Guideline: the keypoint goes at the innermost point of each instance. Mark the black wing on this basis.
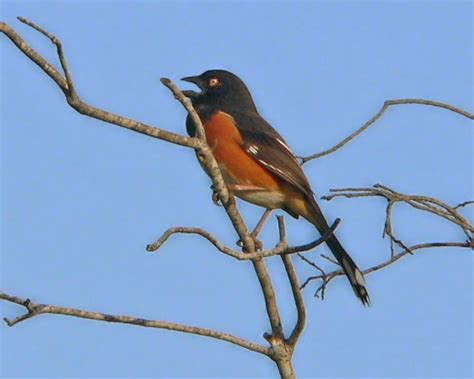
(266, 146)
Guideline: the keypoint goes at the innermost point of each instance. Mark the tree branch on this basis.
(34, 310)
(464, 204)
(424, 203)
(281, 248)
(67, 87)
(295, 289)
(327, 277)
(387, 104)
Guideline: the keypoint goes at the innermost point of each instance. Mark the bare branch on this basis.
(260, 223)
(190, 230)
(37, 309)
(70, 85)
(312, 245)
(299, 303)
(424, 203)
(466, 203)
(327, 277)
(74, 101)
(281, 248)
(387, 104)
(329, 259)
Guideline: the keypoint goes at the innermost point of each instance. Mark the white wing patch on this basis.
(253, 149)
(359, 277)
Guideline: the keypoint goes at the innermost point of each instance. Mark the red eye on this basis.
(214, 82)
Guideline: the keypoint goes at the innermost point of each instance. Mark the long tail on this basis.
(354, 275)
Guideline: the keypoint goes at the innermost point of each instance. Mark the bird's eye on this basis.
(214, 82)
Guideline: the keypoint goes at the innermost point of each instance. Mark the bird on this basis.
(256, 163)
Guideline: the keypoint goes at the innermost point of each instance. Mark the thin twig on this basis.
(261, 223)
(281, 248)
(329, 259)
(298, 298)
(319, 241)
(386, 105)
(424, 203)
(62, 59)
(470, 202)
(331, 275)
(311, 263)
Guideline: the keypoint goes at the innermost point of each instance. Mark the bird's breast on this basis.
(238, 167)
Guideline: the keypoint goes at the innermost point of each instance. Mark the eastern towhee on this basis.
(256, 162)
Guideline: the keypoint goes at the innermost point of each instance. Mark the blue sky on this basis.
(81, 199)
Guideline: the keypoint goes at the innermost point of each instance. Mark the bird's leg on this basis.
(232, 188)
(260, 223)
(256, 230)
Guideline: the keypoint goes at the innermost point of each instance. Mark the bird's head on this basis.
(220, 88)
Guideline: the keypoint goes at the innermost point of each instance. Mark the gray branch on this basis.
(33, 310)
(387, 104)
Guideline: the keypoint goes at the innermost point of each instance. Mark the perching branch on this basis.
(34, 310)
(387, 104)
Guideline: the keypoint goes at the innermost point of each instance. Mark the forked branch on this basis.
(65, 83)
(424, 203)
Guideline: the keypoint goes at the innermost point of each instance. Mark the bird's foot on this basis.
(215, 197)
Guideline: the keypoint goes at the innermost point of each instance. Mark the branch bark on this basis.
(34, 310)
(67, 87)
(281, 248)
(387, 104)
(327, 277)
(424, 203)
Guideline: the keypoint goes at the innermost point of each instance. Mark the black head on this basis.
(220, 88)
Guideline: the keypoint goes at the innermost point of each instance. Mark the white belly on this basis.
(266, 199)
